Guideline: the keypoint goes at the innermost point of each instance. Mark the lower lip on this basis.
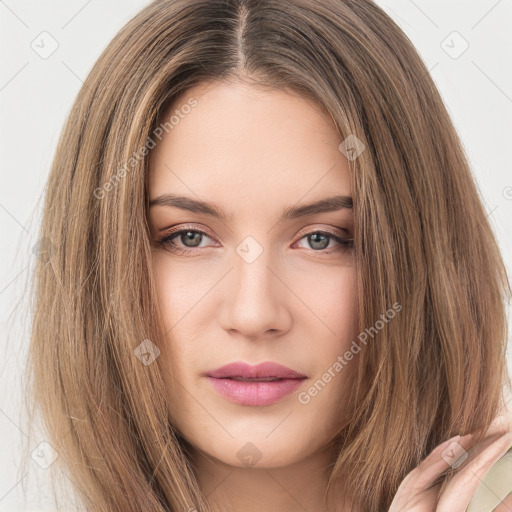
(255, 393)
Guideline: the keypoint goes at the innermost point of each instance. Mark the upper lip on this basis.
(266, 369)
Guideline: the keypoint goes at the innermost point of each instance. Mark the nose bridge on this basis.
(252, 274)
(256, 302)
(253, 277)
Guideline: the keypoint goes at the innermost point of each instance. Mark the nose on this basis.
(256, 304)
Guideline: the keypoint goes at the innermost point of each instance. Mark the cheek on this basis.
(174, 297)
(343, 313)
(341, 307)
(177, 288)
(335, 300)
(184, 292)
(332, 298)
(183, 296)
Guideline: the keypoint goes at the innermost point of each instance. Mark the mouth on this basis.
(254, 392)
(259, 385)
(266, 370)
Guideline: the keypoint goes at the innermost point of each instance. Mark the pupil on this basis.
(189, 237)
(314, 242)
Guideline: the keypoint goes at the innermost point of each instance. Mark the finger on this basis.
(417, 486)
(409, 501)
(433, 465)
(462, 486)
(501, 423)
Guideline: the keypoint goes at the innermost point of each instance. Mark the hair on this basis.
(422, 239)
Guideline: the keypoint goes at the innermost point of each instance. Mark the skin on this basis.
(253, 153)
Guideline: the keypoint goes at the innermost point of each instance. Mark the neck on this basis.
(298, 486)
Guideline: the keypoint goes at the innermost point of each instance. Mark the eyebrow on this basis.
(329, 204)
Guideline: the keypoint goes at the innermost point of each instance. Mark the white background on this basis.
(36, 95)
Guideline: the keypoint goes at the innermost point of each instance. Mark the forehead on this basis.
(238, 143)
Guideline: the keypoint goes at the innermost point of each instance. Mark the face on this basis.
(252, 284)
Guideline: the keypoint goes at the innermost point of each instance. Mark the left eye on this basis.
(318, 241)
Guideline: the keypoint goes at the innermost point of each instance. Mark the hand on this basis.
(416, 493)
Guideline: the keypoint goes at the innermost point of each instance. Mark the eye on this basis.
(319, 241)
(186, 241)
(190, 238)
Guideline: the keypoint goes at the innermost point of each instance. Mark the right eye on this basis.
(184, 236)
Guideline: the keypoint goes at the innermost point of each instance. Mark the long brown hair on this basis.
(422, 239)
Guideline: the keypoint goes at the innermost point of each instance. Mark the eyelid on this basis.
(332, 231)
(183, 227)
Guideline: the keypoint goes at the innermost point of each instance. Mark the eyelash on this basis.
(167, 241)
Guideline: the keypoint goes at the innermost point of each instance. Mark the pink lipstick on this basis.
(258, 385)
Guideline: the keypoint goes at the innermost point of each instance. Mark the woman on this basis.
(272, 283)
